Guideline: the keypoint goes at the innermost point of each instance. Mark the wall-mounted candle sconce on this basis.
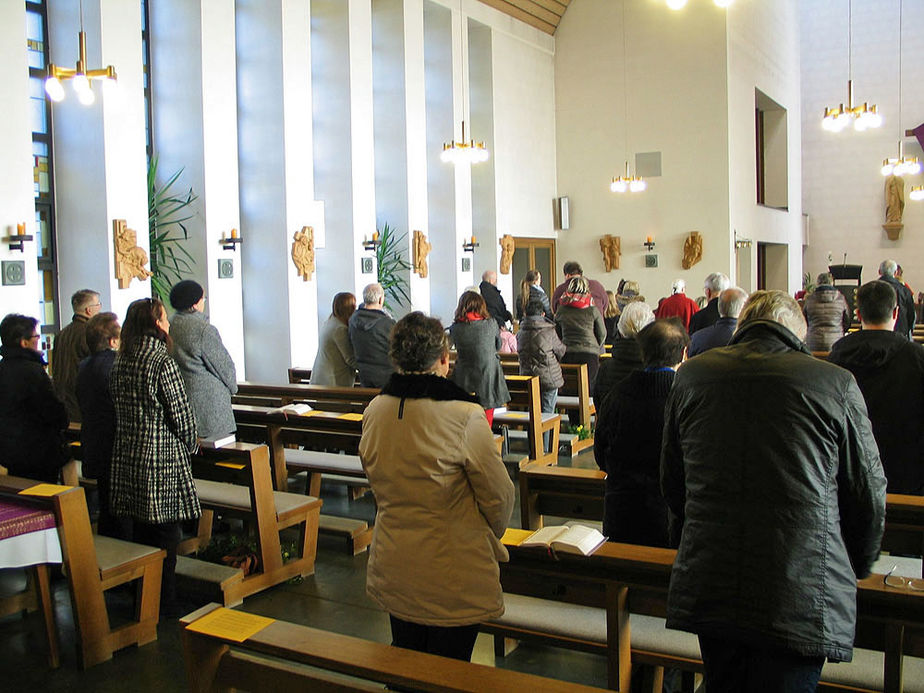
(649, 243)
(373, 245)
(469, 246)
(16, 241)
(741, 242)
(231, 242)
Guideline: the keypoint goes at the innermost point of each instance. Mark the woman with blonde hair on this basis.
(531, 290)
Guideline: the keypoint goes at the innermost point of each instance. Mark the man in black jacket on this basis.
(771, 470)
(370, 330)
(905, 321)
(493, 298)
(714, 285)
(890, 372)
(32, 418)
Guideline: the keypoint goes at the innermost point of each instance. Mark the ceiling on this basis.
(542, 14)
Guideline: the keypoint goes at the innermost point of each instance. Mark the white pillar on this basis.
(276, 184)
(17, 201)
(100, 168)
(195, 129)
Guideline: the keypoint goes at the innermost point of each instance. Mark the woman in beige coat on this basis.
(444, 499)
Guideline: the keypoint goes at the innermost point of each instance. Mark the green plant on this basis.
(807, 284)
(168, 212)
(581, 431)
(393, 265)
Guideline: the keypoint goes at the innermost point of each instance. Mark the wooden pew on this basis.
(216, 664)
(344, 399)
(525, 411)
(93, 565)
(236, 480)
(622, 577)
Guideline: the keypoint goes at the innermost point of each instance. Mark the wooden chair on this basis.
(525, 411)
(93, 565)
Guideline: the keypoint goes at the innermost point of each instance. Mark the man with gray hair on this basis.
(719, 334)
(677, 305)
(905, 323)
(714, 285)
(370, 329)
(772, 475)
(625, 355)
(493, 298)
(71, 348)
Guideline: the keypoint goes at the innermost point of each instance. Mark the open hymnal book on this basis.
(298, 408)
(214, 442)
(570, 538)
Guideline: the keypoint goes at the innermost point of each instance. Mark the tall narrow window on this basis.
(772, 152)
(146, 69)
(43, 170)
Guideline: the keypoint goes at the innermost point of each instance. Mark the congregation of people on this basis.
(721, 434)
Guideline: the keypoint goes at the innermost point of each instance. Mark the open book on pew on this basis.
(297, 408)
(568, 538)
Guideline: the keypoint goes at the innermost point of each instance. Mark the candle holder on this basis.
(231, 243)
(469, 246)
(18, 240)
(649, 244)
(372, 246)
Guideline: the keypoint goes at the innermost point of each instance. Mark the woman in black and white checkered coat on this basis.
(155, 434)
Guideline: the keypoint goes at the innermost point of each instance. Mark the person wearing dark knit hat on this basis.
(207, 368)
(185, 295)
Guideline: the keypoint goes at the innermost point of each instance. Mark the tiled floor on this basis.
(334, 598)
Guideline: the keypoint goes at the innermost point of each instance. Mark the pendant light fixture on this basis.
(80, 76)
(463, 151)
(917, 193)
(627, 183)
(900, 165)
(865, 115)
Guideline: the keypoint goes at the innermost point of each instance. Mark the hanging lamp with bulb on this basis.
(900, 165)
(462, 151)
(628, 182)
(917, 193)
(863, 116)
(80, 77)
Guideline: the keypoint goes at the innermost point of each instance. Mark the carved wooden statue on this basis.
(508, 245)
(421, 250)
(303, 252)
(692, 249)
(611, 247)
(895, 206)
(130, 260)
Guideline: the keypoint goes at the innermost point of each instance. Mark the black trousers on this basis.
(734, 667)
(108, 525)
(164, 536)
(456, 642)
(592, 361)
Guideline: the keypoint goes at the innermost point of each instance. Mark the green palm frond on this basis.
(168, 212)
(391, 256)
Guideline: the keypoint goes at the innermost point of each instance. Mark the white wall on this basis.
(677, 105)
(843, 188)
(763, 53)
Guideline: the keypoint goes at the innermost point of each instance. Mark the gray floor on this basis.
(334, 599)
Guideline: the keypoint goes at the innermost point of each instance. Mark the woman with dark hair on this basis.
(98, 415)
(580, 327)
(477, 340)
(335, 364)
(531, 290)
(443, 496)
(206, 366)
(152, 482)
(540, 351)
(32, 418)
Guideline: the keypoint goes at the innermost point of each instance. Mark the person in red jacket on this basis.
(677, 305)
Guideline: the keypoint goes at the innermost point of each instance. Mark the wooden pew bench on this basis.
(236, 480)
(287, 656)
(525, 412)
(343, 399)
(570, 492)
(596, 618)
(94, 564)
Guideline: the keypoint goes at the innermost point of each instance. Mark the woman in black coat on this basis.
(531, 290)
(32, 418)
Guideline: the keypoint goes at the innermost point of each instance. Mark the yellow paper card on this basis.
(313, 412)
(44, 490)
(519, 377)
(515, 537)
(350, 416)
(230, 465)
(229, 624)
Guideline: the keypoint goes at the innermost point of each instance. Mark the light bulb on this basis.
(886, 168)
(676, 4)
(86, 96)
(81, 83)
(618, 185)
(54, 89)
(637, 185)
(917, 193)
(723, 3)
(914, 167)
